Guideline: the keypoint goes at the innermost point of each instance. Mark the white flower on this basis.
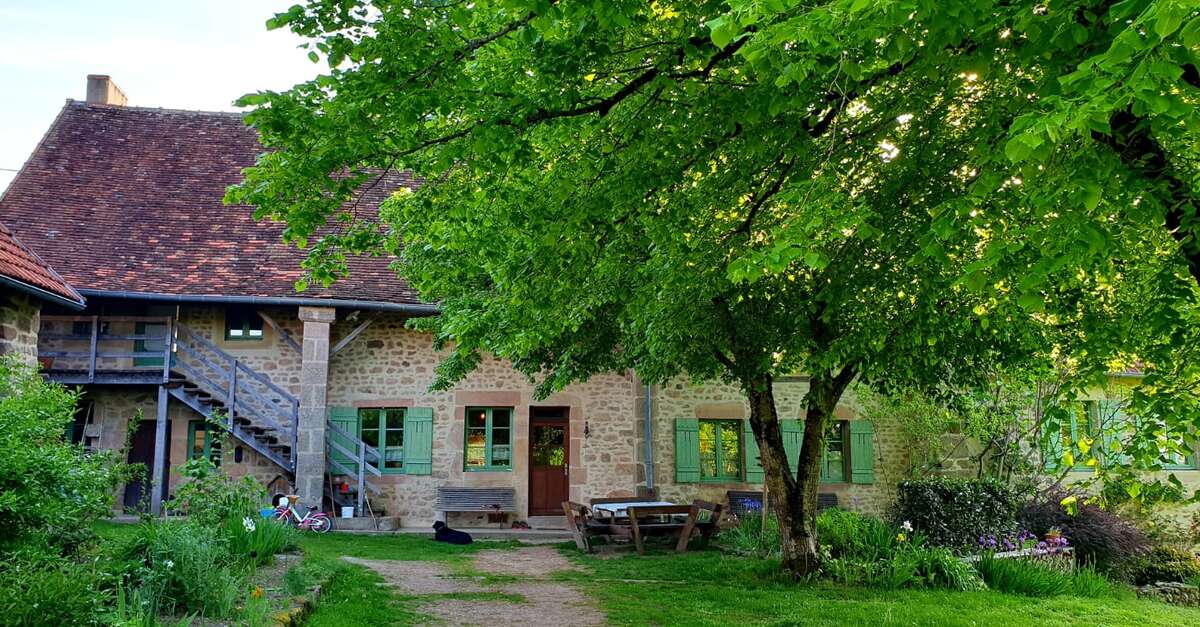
(169, 564)
(248, 524)
(907, 526)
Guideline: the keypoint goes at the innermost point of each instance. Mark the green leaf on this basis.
(1032, 302)
(1170, 16)
(313, 56)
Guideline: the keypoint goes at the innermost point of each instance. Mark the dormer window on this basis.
(243, 324)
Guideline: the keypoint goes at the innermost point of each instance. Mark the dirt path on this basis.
(534, 599)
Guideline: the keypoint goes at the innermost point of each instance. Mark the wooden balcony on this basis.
(111, 350)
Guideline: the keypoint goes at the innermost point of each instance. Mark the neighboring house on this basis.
(192, 312)
(26, 284)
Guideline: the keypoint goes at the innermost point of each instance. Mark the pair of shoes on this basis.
(520, 525)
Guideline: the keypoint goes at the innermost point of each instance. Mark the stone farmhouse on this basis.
(191, 314)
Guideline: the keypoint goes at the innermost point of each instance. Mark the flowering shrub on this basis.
(257, 541)
(182, 567)
(954, 512)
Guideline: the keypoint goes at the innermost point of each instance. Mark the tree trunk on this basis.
(794, 490)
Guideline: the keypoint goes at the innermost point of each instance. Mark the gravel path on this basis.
(545, 602)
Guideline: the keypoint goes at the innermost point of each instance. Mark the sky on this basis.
(177, 54)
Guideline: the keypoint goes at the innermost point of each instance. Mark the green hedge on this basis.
(956, 512)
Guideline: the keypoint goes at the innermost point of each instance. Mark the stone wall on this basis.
(19, 322)
(390, 366)
(716, 400)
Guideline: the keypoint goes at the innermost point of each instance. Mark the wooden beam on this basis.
(158, 476)
(283, 334)
(344, 342)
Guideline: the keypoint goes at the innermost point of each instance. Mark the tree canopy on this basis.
(896, 192)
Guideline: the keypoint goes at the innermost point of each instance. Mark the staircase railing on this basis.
(245, 392)
(364, 459)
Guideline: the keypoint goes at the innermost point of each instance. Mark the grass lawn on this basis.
(698, 588)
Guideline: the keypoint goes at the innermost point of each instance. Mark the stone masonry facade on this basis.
(389, 365)
(19, 322)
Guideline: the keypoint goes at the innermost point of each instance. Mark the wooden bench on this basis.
(702, 517)
(488, 500)
(739, 500)
(583, 525)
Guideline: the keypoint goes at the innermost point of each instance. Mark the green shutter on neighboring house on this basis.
(418, 441)
(793, 438)
(346, 419)
(862, 453)
(687, 450)
(754, 470)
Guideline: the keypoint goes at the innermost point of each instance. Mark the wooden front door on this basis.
(141, 451)
(549, 450)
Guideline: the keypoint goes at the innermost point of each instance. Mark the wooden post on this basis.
(295, 430)
(168, 348)
(158, 474)
(231, 395)
(362, 473)
(92, 350)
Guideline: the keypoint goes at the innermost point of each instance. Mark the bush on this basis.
(749, 537)
(53, 592)
(938, 567)
(183, 567)
(954, 513)
(210, 498)
(1166, 563)
(855, 536)
(50, 491)
(1022, 576)
(1100, 537)
(257, 539)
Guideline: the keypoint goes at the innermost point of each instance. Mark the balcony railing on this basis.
(106, 349)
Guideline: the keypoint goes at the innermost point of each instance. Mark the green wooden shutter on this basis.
(754, 470)
(862, 453)
(687, 450)
(345, 418)
(793, 439)
(418, 441)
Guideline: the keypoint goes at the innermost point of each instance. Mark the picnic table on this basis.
(639, 518)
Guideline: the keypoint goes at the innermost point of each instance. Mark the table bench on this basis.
(640, 520)
(487, 500)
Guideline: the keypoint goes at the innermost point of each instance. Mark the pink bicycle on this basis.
(312, 520)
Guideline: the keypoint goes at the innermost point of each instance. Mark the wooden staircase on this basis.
(218, 386)
(262, 415)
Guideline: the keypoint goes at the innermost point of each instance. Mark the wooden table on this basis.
(640, 519)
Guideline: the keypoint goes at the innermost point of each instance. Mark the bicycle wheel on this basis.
(324, 524)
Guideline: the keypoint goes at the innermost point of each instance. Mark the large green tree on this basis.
(896, 192)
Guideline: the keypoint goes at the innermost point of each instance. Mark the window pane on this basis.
(476, 418)
(256, 332)
(500, 447)
(371, 437)
(731, 449)
(395, 419)
(198, 443)
(708, 449)
(235, 333)
(476, 448)
(500, 418)
(394, 437)
(393, 457)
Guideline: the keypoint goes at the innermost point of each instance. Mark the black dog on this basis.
(443, 533)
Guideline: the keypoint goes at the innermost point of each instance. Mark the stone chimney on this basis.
(101, 90)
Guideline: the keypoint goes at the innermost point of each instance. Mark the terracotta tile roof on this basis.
(19, 263)
(129, 199)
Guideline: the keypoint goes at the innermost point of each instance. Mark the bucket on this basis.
(347, 512)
